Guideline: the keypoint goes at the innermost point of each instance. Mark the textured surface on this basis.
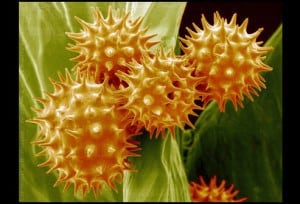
(244, 147)
(83, 134)
(107, 44)
(229, 58)
(42, 53)
(158, 87)
(212, 192)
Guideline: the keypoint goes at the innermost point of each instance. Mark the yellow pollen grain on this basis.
(110, 51)
(106, 110)
(203, 193)
(113, 37)
(111, 149)
(229, 72)
(157, 110)
(169, 62)
(99, 169)
(148, 100)
(109, 65)
(213, 71)
(99, 42)
(96, 128)
(90, 112)
(224, 196)
(159, 89)
(121, 61)
(89, 150)
(85, 34)
(214, 192)
(128, 51)
(203, 53)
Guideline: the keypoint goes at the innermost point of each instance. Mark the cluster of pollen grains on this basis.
(229, 58)
(201, 192)
(161, 92)
(84, 135)
(106, 45)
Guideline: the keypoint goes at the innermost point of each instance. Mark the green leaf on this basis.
(164, 18)
(161, 176)
(243, 147)
(42, 53)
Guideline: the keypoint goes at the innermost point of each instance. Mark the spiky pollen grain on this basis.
(229, 57)
(202, 192)
(106, 45)
(84, 136)
(161, 92)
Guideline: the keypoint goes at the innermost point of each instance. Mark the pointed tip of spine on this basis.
(42, 153)
(36, 110)
(233, 20)
(68, 79)
(196, 27)
(217, 17)
(46, 163)
(136, 24)
(110, 18)
(66, 186)
(35, 121)
(244, 25)
(183, 40)
(41, 100)
(192, 33)
(53, 82)
(95, 191)
(60, 76)
(84, 24)
(96, 14)
(205, 23)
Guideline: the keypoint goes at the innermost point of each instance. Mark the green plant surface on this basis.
(42, 53)
(161, 175)
(243, 147)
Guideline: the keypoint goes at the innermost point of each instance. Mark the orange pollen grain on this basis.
(158, 87)
(228, 57)
(105, 46)
(83, 135)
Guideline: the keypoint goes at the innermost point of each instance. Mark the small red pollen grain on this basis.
(202, 192)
